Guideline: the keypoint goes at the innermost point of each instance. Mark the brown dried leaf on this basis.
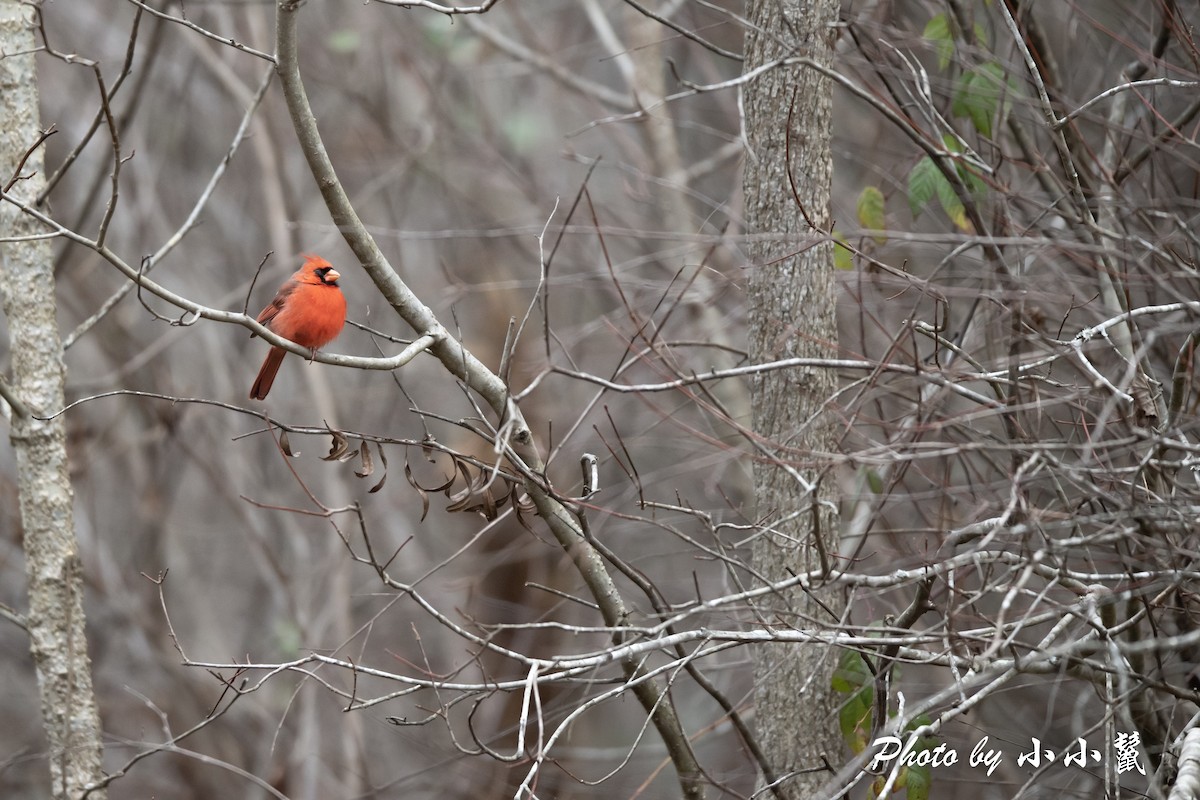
(463, 494)
(484, 504)
(338, 447)
(382, 460)
(483, 491)
(286, 446)
(368, 464)
(523, 506)
(479, 497)
(412, 481)
(441, 488)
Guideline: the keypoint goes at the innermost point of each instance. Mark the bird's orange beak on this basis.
(332, 276)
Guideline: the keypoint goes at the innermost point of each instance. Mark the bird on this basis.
(309, 309)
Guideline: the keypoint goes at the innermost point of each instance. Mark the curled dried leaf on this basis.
(412, 481)
(368, 463)
(484, 503)
(479, 494)
(382, 460)
(523, 506)
(440, 488)
(338, 447)
(482, 491)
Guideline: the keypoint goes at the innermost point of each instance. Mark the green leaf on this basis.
(979, 95)
(851, 674)
(843, 257)
(922, 185)
(444, 35)
(947, 195)
(919, 780)
(926, 182)
(871, 209)
(524, 131)
(344, 40)
(981, 35)
(854, 720)
(919, 721)
(939, 33)
(852, 677)
(974, 183)
(966, 173)
(948, 198)
(288, 639)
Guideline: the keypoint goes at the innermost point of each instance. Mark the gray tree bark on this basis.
(55, 617)
(792, 305)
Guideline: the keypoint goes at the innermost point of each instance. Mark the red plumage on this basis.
(309, 309)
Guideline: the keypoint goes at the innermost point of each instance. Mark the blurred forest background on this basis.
(998, 405)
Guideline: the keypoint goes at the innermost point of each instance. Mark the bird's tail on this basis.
(266, 375)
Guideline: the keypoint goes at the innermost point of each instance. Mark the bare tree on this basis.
(792, 315)
(54, 619)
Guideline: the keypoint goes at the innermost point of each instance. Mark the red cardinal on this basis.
(309, 309)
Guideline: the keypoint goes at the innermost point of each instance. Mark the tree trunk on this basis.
(792, 314)
(55, 618)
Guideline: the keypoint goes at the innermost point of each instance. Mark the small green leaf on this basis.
(843, 257)
(344, 40)
(524, 131)
(947, 195)
(288, 639)
(926, 182)
(918, 783)
(974, 183)
(979, 95)
(871, 209)
(874, 481)
(938, 28)
(951, 204)
(966, 173)
(922, 185)
(938, 31)
(851, 674)
(438, 30)
(443, 34)
(919, 721)
(852, 677)
(854, 720)
(981, 36)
